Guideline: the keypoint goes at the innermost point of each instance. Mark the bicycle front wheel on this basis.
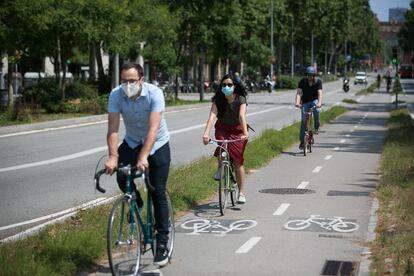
(224, 187)
(233, 186)
(123, 239)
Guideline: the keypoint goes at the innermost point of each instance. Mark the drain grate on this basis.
(347, 193)
(286, 191)
(339, 268)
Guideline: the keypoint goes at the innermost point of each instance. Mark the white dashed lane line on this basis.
(342, 141)
(248, 245)
(282, 208)
(303, 185)
(328, 157)
(336, 148)
(317, 169)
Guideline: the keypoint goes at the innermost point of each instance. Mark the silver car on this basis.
(361, 77)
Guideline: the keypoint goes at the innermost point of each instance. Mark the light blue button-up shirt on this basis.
(135, 114)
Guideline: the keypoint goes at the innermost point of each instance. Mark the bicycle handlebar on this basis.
(126, 169)
(224, 141)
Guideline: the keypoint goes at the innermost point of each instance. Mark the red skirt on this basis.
(231, 132)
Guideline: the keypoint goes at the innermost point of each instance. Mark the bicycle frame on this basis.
(145, 226)
(226, 167)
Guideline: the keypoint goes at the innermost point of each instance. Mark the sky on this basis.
(380, 7)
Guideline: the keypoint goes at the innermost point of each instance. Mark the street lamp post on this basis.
(271, 39)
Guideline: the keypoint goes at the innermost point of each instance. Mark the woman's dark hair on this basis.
(220, 100)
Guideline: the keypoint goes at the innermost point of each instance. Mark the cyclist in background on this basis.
(378, 81)
(309, 94)
(388, 78)
(146, 143)
(228, 114)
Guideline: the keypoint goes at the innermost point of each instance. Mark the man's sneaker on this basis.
(217, 175)
(241, 199)
(161, 255)
(301, 146)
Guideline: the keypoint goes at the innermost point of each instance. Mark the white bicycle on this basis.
(336, 224)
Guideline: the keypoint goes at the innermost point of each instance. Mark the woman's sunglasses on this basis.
(227, 84)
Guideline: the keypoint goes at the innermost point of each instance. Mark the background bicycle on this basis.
(131, 230)
(228, 188)
(308, 140)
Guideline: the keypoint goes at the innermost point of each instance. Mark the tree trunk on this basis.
(10, 85)
(101, 72)
(332, 54)
(92, 62)
(201, 75)
(58, 68)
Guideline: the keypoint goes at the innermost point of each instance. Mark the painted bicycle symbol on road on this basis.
(338, 224)
(200, 226)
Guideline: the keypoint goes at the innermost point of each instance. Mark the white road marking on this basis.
(360, 98)
(356, 126)
(336, 148)
(60, 216)
(51, 129)
(352, 130)
(317, 169)
(342, 141)
(348, 135)
(328, 157)
(303, 185)
(248, 245)
(104, 148)
(54, 160)
(282, 208)
(85, 205)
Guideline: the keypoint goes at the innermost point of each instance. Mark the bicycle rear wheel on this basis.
(123, 239)
(305, 144)
(224, 187)
(171, 228)
(310, 137)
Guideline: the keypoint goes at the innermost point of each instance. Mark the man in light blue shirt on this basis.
(146, 143)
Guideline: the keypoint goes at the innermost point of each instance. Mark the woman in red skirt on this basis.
(228, 112)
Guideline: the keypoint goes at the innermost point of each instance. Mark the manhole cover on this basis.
(340, 268)
(286, 191)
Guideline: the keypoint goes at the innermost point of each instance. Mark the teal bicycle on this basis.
(131, 230)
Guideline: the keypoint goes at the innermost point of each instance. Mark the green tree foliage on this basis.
(406, 34)
(181, 34)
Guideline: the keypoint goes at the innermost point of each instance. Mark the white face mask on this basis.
(132, 90)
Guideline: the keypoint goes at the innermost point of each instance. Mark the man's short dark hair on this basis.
(129, 65)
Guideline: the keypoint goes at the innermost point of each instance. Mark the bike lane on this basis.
(335, 180)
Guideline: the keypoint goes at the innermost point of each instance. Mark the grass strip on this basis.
(393, 249)
(368, 90)
(79, 244)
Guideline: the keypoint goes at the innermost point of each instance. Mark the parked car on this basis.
(406, 71)
(361, 77)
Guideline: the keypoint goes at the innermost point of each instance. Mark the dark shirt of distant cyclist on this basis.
(310, 87)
